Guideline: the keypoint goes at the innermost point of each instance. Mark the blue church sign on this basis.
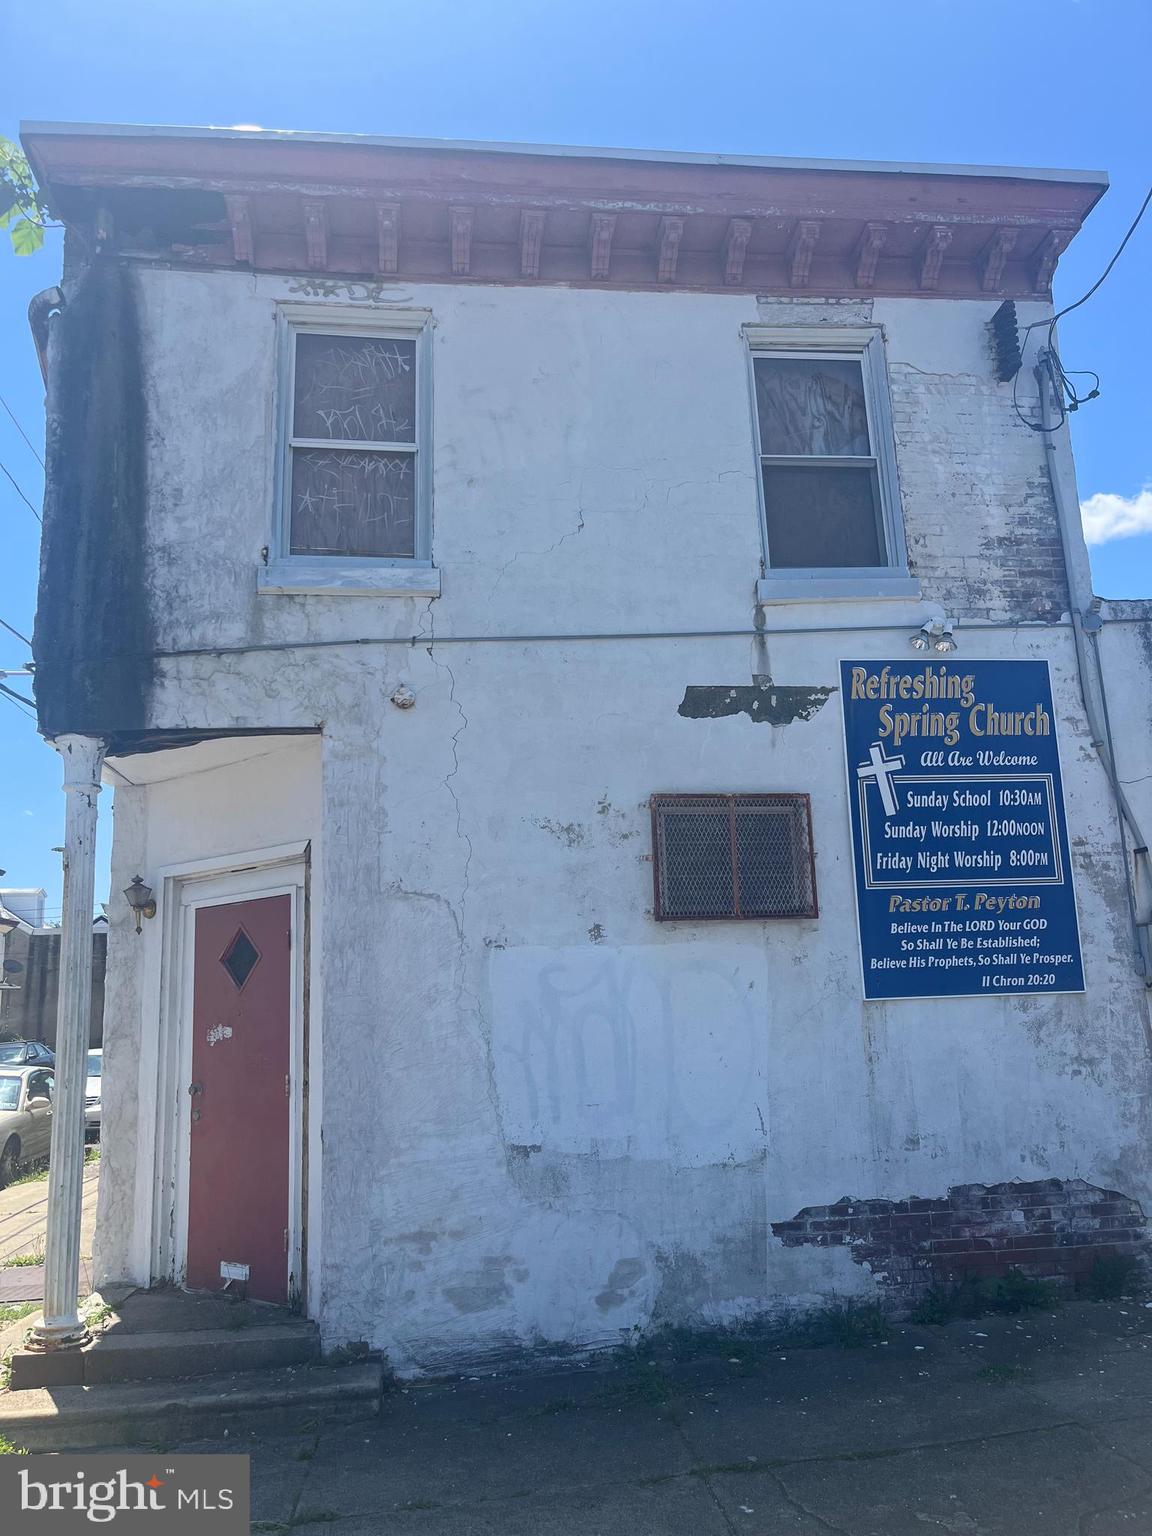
(959, 840)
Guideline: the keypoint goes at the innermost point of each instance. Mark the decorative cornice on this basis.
(993, 261)
(240, 218)
(316, 233)
(671, 233)
(531, 241)
(872, 242)
(803, 244)
(388, 238)
(1044, 265)
(602, 228)
(938, 241)
(735, 250)
(310, 204)
(460, 221)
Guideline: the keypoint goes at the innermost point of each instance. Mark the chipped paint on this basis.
(763, 703)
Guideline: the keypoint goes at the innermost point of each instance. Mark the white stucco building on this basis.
(417, 513)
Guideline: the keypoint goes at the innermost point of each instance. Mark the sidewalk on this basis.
(23, 1213)
(1033, 1426)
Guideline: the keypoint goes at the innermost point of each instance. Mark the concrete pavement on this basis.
(23, 1215)
(1027, 1426)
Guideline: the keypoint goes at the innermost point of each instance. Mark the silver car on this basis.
(25, 1118)
(92, 1095)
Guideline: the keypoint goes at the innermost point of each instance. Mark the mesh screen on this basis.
(733, 856)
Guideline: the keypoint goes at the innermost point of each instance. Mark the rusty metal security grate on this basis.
(744, 857)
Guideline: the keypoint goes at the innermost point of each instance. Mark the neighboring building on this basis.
(28, 1004)
(418, 512)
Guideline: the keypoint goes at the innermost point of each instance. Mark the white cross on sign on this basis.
(881, 769)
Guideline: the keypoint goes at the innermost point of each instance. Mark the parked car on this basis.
(25, 1118)
(26, 1053)
(92, 1095)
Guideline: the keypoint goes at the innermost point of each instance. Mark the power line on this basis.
(16, 632)
(15, 700)
(1068, 398)
(21, 431)
(22, 496)
(13, 694)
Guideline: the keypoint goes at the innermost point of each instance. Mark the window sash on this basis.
(353, 325)
(859, 347)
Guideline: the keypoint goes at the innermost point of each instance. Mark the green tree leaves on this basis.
(22, 213)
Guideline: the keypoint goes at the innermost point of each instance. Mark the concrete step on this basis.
(119, 1355)
(154, 1413)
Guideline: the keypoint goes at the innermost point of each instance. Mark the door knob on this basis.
(195, 1088)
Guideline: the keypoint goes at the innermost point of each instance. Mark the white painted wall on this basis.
(545, 1116)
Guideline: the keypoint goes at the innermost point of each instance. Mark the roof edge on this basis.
(36, 129)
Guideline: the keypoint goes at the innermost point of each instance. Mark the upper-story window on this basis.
(354, 499)
(829, 496)
(355, 460)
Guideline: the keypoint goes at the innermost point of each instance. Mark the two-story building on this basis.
(453, 548)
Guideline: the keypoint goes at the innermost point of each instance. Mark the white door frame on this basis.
(280, 871)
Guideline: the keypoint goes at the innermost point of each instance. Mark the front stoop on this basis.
(168, 1364)
(116, 1356)
(290, 1398)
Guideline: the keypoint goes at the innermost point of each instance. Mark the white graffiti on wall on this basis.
(640, 1051)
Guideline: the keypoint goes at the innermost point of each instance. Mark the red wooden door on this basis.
(241, 1029)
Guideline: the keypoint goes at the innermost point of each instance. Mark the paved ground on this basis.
(1036, 1426)
(23, 1212)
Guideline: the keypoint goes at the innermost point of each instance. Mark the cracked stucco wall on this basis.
(544, 1116)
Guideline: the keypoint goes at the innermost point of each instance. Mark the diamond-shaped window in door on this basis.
(240, 958)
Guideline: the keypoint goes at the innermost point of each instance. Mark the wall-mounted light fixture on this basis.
(935, 635)
(140, 899)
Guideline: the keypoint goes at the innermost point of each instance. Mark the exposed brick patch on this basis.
(1053, 1227)
(980, 520)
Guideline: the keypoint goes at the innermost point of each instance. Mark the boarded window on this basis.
(353, 447)
(821, 480)
(721, 857)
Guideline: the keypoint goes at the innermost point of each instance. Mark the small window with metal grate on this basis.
(732, 857)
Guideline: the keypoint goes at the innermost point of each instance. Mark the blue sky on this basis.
(1030, 82)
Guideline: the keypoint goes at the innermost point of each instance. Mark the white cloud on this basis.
(1106, 517)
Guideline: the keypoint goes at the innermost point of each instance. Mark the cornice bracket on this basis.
(938, 241)
(1051, 248)
(995, 256)
(671, 233)
(800, 250)
(531, 241)
(868, 253)
(316, 233)
(387, 238)
(603, 227)
(460, 234)
(735, 248)
(239, 209)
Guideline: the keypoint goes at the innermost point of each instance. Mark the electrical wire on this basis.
(13, 694)
(1068, 397)
(5, 625)
(21, 431)
(21, 495)
(15, 700)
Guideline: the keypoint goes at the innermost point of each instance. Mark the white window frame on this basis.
(350, 575)
(865, 345)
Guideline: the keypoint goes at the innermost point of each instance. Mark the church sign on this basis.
(959, 839)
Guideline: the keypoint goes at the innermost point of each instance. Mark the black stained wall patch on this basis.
(762, 702)
(93, 637)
